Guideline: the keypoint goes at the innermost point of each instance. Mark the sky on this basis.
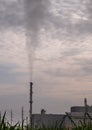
(47, 42)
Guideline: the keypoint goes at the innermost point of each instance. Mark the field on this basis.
(7, 126)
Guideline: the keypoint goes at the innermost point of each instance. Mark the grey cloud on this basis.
(8, 102)
(7, 74)
(81, 68)
(88, 8)
(64, 20)
(11, 99)
(39, 15)
(87, 69)
(60, 72)
(1, 46)
(71, 52)
(85, 65)
(11, 14)
(84, 27)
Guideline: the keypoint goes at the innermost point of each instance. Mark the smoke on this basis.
(36, 18)
(36, 12)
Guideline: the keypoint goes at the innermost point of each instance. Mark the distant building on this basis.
(77, 113)
(47, 120)
(81, 109)
(43, 111)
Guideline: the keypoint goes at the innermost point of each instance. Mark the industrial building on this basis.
(77, 114)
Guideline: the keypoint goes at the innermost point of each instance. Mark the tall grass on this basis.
(83, 125)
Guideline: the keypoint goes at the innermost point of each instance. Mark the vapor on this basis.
(36, 18)
(36, 12)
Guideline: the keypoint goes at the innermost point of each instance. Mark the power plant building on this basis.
(81, 109)
(77, 113)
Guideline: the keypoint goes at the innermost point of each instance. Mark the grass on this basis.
(83, 126)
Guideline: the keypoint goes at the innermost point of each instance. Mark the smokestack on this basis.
(85, 105)
(30, 112)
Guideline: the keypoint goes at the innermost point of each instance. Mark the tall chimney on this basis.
(85, 105)
(30, 111)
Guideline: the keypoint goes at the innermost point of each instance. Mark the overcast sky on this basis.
(47, 42)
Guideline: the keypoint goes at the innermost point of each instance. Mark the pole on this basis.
(11, 117)
(85, 109)
(22, 117)
(30, 112)
(85, 105)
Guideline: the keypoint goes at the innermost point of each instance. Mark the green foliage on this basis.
(58, 126)
(6, 126)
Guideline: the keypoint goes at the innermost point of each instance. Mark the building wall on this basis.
(50, 120)
(81, 109)
(47, 120)
(78, 109)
